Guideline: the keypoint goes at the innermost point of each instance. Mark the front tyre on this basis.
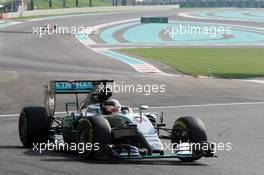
(85, 136)
(95, 131)
(33, 126)
(191, 130)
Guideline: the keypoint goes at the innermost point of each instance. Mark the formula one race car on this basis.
(112, 130)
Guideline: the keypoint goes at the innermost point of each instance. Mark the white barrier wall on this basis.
(88, 10)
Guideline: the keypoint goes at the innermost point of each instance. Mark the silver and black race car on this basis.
(113, 130)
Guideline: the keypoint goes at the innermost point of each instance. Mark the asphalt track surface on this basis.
(28, 62)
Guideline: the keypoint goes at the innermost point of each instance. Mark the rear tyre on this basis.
(192, 130)
(33, 126)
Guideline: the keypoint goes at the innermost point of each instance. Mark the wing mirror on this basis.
(142, 108)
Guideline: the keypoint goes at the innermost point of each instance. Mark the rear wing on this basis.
(69, 87)
(77, 86)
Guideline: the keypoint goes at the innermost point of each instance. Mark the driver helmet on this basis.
(112, 106)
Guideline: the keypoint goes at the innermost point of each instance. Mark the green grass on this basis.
(224, 62)
(44, 4)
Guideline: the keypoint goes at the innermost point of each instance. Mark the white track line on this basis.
(187, 15)
(114, 23)
(132, 45)
(146, 68)
(255, 81)
(9, 115)
(169, 107)
(209, 105)
(100, 26)
(16, 115)
(256, 29)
